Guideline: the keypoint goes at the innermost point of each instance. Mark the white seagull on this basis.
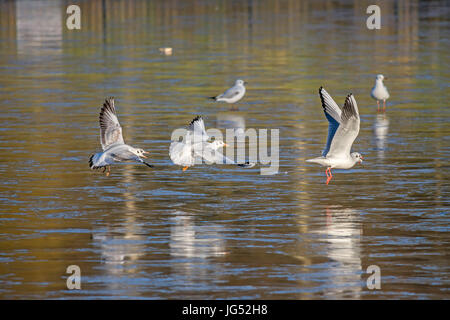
(379, 92)
(114, 148)
(195, 147)
(342, 131)
(232, 95)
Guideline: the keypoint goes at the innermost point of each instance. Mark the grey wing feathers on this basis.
(348, 129)
(230, 93)
(110, 129)
(329, 106)
(333, 114)
(197, 127)
(350, 109)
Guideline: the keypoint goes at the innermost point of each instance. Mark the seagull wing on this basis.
(110, 129)
(348, 129)
(333, 114)
(121, 153)
(230, 93)
(197, 130)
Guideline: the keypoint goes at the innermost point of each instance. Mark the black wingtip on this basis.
(148, 165)
(248, 164)
(322, 101)
(90, 161)
(213, 98)
(197, 118)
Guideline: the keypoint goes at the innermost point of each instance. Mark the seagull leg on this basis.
(185, 168)
(378, 106)
(104, 169)
(329, 176)
(109, 170)
(384, 105)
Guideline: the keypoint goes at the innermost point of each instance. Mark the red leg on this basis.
(378, 106)
(329, 176)
(384, 105)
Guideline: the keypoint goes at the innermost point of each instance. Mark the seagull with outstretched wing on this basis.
(343, 129)
(195, 148)
(114, 148)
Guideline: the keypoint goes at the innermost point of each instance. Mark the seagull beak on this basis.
(225, 144)
(385, 78)
(245, 82)
(145, 156)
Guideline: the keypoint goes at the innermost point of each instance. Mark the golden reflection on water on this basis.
(222, 232)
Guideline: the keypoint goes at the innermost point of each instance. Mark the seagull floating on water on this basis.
(195, 146)
(342, 131)
(233, 94)
(114, 148)
(379, 92)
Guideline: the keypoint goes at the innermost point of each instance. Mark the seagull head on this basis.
(216, 144)
(357, 157)
(380, 77)
(140, 153)
(240, 82)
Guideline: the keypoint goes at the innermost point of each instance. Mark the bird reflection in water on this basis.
(380, 130)
(123, 244)
(192, 245)
(342, 233)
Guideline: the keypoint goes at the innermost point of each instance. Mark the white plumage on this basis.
(233, 94)
(379, 91)
(342, 131)
(195, 148)
(114, 148)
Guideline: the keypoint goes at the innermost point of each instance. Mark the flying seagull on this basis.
(379, 92)
(343, 129)
(114, 148)
(233, 94)
(195, 147)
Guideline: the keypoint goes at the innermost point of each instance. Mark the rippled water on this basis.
(223, 231)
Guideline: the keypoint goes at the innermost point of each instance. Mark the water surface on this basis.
(223, 232)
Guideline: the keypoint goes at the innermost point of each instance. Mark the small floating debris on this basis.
(166, 51)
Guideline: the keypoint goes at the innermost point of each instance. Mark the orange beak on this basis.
(145, 156)
(225, 144)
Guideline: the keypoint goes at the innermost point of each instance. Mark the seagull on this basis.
(114, 148)
(342, 131)
(379, 92)
(233, 94)
(195, 147)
